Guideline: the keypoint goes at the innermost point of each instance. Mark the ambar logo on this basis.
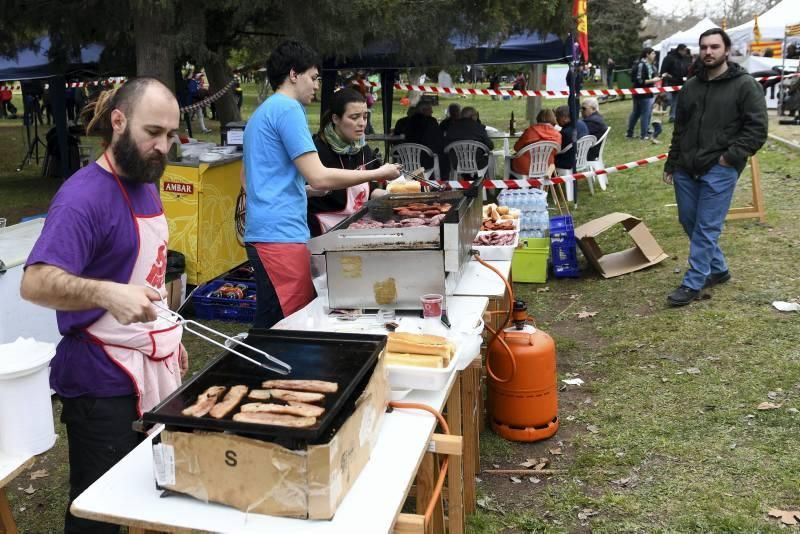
(177, 187)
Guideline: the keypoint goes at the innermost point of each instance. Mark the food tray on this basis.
(497, 253)
(347, 359)
(409, 377)
(223, 309)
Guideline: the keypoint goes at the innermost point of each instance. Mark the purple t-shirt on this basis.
(89, 232)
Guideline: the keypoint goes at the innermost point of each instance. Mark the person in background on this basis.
(721, 121)
(101, 263)
(467, 128)
(423, 129)
(401, 126)
(644, 76)
(237, 91)
(595, 124)
(542, 130)
(5, 99)
(340, 145)
(674, 71)
(280, 158)
(453, 113)
(610, 72)
(566, 159)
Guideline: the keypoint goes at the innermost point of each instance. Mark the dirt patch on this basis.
(500, 491)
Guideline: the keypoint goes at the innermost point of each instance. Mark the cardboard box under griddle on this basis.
(257, 476)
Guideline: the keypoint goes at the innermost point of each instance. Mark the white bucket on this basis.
(26, 411)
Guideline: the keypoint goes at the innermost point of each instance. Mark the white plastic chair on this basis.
(467, 158)
(409, 155)
(582, 147)
(596, 164)
(539, 166)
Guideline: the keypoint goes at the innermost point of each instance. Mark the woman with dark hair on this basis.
(340, 144)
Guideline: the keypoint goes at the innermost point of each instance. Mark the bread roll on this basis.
(419, 344)
(415, 360)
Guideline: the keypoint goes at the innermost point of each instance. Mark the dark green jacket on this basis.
(726, 116)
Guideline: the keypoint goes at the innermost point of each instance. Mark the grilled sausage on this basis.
(231, 401)
(275, 419)
(297, 396)
(318, 386)
(205, 401)
(295, 408)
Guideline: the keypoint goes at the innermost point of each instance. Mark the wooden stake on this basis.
(523, 471)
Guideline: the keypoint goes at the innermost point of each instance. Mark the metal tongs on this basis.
(280, 366)
(419, 176)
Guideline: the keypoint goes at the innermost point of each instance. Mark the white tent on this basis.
(772, 25)
(688, 37)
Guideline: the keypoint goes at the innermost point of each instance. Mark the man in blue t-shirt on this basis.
(279, 159)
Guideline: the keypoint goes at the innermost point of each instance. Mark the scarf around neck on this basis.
(339, 145)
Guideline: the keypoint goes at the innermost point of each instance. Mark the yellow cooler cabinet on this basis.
(199, 201)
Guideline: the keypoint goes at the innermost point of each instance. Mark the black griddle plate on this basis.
(347, 359)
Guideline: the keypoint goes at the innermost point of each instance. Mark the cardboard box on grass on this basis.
(645, 252)
(265, 478)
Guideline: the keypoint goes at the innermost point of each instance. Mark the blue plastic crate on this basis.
(564, 257)
(223, 309)
(562, 226)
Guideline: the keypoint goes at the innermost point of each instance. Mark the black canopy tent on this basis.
(383, 57)
(44, 62)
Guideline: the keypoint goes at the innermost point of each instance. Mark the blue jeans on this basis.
(673, 104)
(702, 207)
(642, 108)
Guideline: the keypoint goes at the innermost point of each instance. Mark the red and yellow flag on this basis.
(756, 31)
(579, 12)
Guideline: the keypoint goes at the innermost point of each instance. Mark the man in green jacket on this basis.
(721, 121)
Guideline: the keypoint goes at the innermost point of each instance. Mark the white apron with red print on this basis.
(148, 352)
(357, 196)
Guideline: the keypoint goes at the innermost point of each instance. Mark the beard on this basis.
(715, 64)
(132, 165)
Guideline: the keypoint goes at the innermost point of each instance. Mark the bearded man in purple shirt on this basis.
(100, 263)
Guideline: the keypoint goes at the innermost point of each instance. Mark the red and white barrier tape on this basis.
(532, 182)
(107, 81)
(206, 101)
(512, 92)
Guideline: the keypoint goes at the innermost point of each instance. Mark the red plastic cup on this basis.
(432, 305)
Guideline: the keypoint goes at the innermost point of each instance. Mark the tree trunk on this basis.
(534, 103)
(219, 76)
(155, 52)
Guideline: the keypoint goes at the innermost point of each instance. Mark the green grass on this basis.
(698, 453)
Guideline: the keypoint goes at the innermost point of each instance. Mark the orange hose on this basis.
(437, 489)
(494, 333)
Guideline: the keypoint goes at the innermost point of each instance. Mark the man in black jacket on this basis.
(674, 70)
(721, 121)
(467, 128)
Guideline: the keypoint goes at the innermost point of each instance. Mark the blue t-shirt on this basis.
(275, 136)
(89, 232)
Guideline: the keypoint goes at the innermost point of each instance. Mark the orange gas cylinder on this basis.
(523, 398)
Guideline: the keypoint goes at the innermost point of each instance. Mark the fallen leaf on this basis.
(768, 406)
(732, 446)
(540, 466)
(792, 410)
(22, 508)
(664, 380)
(772, 395)
(594, 429)
(693, 371)
(676, 270)
(583, 314)
(586, 513)
(496, 466)
(530, 462)
(30, 490)
(41, 473)
(516, 480)
(542, 289)
(574, 297)
(534, 480)
(789, 517)
(555, 452)
(621, 481)
(570, 418)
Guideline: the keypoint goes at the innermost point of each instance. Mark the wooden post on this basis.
(757, 210)
(455, 473)
(470, 383)
(534, 103)
(7, 524)
(426, 479)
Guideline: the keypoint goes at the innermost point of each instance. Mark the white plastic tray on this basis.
(409, 377)
(498, 253)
